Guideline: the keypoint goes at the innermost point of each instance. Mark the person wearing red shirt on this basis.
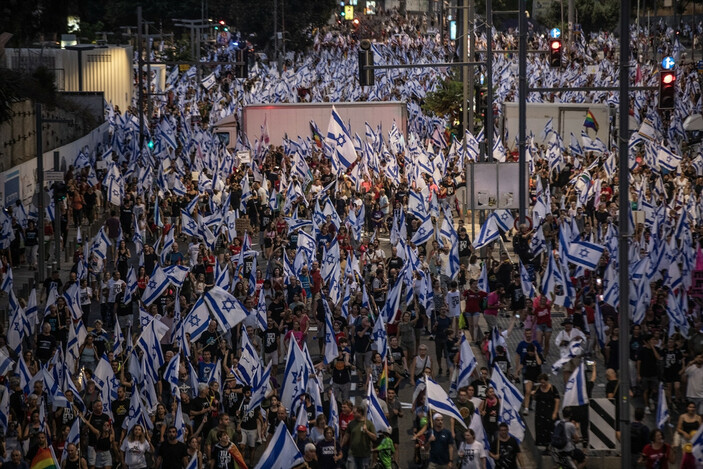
(543, 311)
(346, 416)
(657, 453)
(473, 298)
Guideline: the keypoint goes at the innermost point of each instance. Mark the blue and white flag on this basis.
(575, 393)
(424, 232)
(281, 452)
(380, 337)
(489, 233)
(193, 463)
(526, 284)
(150, 343)
(74, 437)
(197, 320)
(467, 363)
(158, 283)
(662, 408)
(511, 402)
(374, 411)
(227, 309)
(339, 140)
(585, 254)
(482, 283)
(439, 401)
(331, 349)
(333, 420)
(295, 376)
(697, 442)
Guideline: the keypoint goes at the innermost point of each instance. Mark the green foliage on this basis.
(603, 15)
(15, 86)
(446, 102)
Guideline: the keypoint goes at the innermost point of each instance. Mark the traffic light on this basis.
(242, 70)
(366, 76)
(667, 89)
(481, 96)
(150, 144)
(555, 53)
(60, 190)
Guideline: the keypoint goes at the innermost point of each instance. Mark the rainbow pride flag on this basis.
(591, 121)
(44, 459)
(383, 380)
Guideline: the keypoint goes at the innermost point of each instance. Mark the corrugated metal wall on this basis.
(104, 69)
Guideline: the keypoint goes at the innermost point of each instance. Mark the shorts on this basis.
(473, 315)
(271, 357)
(491, 320)
(649, 383)
(103, 459)
(125, 321)
(544, 328)
(90, 456)
(249, 438)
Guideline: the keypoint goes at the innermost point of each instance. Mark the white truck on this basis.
(294, 119)
(567, 118)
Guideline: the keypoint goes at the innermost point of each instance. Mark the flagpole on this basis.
(623, 222)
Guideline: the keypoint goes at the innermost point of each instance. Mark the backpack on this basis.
(559, 435)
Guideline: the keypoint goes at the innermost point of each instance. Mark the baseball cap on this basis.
(302, 428)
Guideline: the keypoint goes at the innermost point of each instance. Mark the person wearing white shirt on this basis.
(565, 339)
(472, 454)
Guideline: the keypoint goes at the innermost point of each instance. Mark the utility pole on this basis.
(623, 228)
(522, 111)
(40, 192)
(140, 82)
(275, 30)
(149, 105)
(489, 78)
(571, 21)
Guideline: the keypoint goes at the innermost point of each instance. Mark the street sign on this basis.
(699, 65)
(668, 63)
(555, 33)
(349, 12)
(53, 176)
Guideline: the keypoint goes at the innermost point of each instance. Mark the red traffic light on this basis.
(668, 78)
(222, 22)
(555, 45)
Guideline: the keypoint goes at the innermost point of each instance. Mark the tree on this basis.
(446, 102)
(593, 16)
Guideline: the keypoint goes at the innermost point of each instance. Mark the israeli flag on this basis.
(667, 160)
(197, 320)
(511, 402)
(662, 408)
(380, 337)
(585, 254)
(374, 411)
(483, 280)
(575, 393)
(227, 309)
(424, 233)
(467, 363)
(331, 349)
(281, 452)
(527, 288)
(439, 401)
(333, 420)
(295, 376)
(600, 326)
(489, 233)
(158, 283)
(338, 138)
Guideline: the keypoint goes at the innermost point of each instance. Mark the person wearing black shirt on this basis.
(395, 261)
(173, 454)
(220, 457)
(249, 423)
(97, 419)
(270, 338)
(341, 376)
(464, 246)
(31, 242)
(208, 339)
(52, 282)
(46, 344)
(505, 450)
(120, 410)
(481, 384)
(648, 360)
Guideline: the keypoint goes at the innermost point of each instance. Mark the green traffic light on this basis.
(150, 144)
